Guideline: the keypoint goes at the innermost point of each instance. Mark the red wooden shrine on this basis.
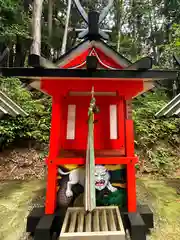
(69, 82)
(70, 99)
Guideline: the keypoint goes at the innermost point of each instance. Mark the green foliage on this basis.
(170, 48)
(43, 155)
(36, 125)
(13, 20)
(155, 137)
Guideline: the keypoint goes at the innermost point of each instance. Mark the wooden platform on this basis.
(104, 223)
(101, 157)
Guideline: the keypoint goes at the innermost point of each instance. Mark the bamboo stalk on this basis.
(90, 194)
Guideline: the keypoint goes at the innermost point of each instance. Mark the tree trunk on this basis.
(20, 53)
(50, 17)
(36, 27)
(63, 49)
(11, 57)
(167, 17)
(45, 50)
(119, 22)
(4, 55)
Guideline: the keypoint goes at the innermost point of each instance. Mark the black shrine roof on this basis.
(101, 74)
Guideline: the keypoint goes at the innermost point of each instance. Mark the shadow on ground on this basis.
(174, 183)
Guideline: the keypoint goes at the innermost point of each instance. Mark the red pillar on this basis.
(51, 189)
(121, 123)
(55, 135)
(131, 173)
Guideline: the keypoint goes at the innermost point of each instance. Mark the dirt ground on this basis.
(22, 164)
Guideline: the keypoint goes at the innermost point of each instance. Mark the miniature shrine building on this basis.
(116, 81)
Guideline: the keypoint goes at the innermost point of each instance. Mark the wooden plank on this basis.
(94, 236)
(65, 223)
(104, 221)
(88, 219)
(73, 222)
(70, 209)
(129, 109)
(72, 153)
(96, 221)
(104, 216)
(90, 94)
(84, 234)
(98, 161)
(119, 222)
(80, 222)
(112, 225)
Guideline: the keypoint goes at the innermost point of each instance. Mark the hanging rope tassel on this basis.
(90, 192)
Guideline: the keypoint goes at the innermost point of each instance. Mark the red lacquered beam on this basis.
(104, 160)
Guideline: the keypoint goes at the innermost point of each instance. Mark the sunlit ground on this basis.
(16, 198)
(165, 203)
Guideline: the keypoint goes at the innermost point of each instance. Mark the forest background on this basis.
(139, 28)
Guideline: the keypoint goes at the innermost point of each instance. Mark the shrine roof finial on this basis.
(93, 20)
